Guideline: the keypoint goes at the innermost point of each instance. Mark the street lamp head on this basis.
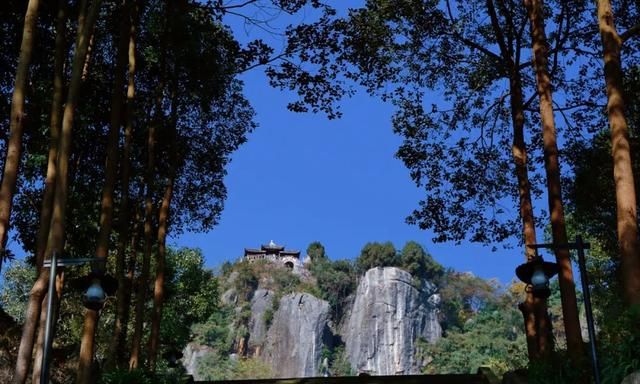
(95, 296)
(537, 273)
(172, 356)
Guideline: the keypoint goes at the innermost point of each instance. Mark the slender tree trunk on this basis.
(163, 217)
(552, 167)
(106, 214)
(39, 347)
(538, 331)
(134, 250)
(141, 295)
(519, 152)
(56, 120)
(134, 361)
(55, 240)
(49, 184)
(627, 219)
(16, 124)
(116, 345)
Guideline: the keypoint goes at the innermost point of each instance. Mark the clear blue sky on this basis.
(302, 178)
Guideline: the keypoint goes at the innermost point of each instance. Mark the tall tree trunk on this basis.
(49, 184)
(536, 341)
(55, 122)
(39, 347)
(55, 240)
(163, 217)
(106, 214)
(627, 219)
(552, 167)
(16, 124)
(534, 311)
(134, 361)
(116, 345)
(141, 294)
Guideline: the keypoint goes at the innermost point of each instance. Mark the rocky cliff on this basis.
(389, 314)
(297, 335)
(378, 333)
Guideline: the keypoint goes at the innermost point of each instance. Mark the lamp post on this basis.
(538, 272)
(94, 298)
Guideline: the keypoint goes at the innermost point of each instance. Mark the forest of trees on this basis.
(119, 119)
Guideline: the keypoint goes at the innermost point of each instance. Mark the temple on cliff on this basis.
(275, 253)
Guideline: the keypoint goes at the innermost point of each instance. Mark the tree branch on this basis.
(631, 32)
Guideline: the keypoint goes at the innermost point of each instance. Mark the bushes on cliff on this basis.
(336, 280)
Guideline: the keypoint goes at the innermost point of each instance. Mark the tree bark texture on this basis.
(54, 126)
(537, 330)
(134, 361)
(627, 219)
(55, 240)
(163, 218)
(106, 211)
(16, 124)
(39, 347)
(116, 345)
(552, 168)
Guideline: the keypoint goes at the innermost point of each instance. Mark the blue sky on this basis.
(302, 177)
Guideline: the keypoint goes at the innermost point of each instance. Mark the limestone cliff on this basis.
(389, 314)
(297, 335)
(377, 334)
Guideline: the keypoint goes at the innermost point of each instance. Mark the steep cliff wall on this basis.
(389, 314)
(294, 342)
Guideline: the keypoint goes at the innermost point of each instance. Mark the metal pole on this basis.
(587, 306)
(44, 373)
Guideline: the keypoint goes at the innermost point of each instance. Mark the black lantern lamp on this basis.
(172, 356)
(537, 273)
(96, 287)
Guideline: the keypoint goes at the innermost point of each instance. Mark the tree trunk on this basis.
(116, 345)
(49, 184)
(56, 120)
(55, 240)
(627, 220)
(16, 124)
(537, 332)
(552, 167)
(163, 217)
(134, 361)
(141, 295)
(106, 214)
(39, 347)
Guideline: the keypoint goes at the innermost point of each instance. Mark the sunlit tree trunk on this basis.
(627, 219)
(55, 122)
(116, 345)
(39, 350)
(552, 167)
(106, 214)
(55, 240)
(16, 123)
(49, 184)
(534, 310)
(163, 217)
(134, 361)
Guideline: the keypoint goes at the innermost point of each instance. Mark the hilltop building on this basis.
(275, 253)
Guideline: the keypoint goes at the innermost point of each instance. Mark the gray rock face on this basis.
(388, 316)
(633, 378)
(297, 334)
(192, 353)
(261, 301)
